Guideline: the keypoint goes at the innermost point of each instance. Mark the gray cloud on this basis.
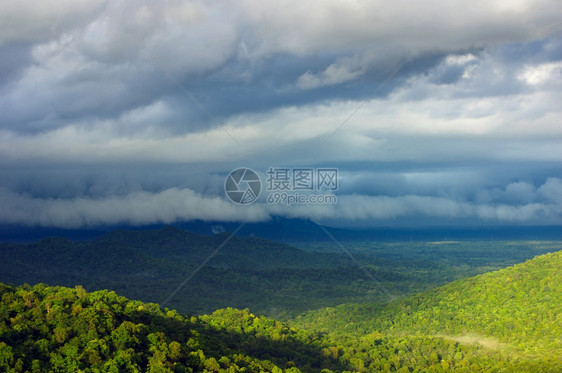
(171, 205)
(469, 128)
(136, 208)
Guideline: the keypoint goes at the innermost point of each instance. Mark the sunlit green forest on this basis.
(507, 320)
(260, 305)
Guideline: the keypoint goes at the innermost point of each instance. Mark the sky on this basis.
(134, 112)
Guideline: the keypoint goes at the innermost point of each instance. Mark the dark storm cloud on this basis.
(444, 111)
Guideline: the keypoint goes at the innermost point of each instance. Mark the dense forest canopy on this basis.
(270, 278)
(514, 312)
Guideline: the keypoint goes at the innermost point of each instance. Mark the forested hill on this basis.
(268, 277)
(518, 308)
(60, 329)
(508, 320)
(121, 249)
(57, 329)
(149, 265)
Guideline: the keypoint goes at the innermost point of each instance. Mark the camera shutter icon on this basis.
(242, 186)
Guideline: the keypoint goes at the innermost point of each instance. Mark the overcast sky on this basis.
(434, 112)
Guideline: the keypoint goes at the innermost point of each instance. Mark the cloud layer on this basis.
(521, 202)
(431, 111)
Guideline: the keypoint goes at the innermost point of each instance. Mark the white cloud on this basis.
(175, 204)
(551, 190)
(314, 26)
(39, 20)
(462, 59)
(543, 73)
(517, 127)
(136, 208)
(341, 71)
